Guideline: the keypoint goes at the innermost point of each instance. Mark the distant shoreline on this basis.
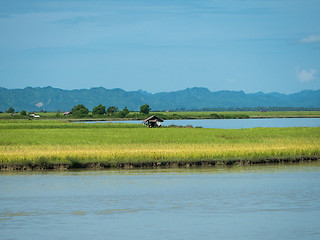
(186, 115)
(121, 119)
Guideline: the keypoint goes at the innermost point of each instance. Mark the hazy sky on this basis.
(161, 45)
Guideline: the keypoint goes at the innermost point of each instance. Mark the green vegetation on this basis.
(112, 110)
(99, 110)
(23, 113)
(10, 110)
(80, 111)
(64, 124)
(145, 109)
(125, 114)
(56, 142)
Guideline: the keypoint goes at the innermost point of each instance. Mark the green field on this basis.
(54, 142)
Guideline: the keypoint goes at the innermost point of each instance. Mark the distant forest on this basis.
(196, 99)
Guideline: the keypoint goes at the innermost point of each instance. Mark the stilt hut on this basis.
(153, 121)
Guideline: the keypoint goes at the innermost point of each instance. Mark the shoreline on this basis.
(151, 165)
(133, 119)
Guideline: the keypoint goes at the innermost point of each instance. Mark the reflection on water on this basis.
(238, 202)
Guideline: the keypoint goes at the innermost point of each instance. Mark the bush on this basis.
(145, 109)
(80, 111)
(124, 113)
(23, 113)
(10, 110)
(99, 110)
(112, 110)
(215, 116)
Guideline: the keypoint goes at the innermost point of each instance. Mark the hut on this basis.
(153, 121)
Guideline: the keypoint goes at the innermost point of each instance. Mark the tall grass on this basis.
(56, 142)
(148, 153)
(53, 124)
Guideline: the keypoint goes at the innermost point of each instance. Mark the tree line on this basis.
(81, 111)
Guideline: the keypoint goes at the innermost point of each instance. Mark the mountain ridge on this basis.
(196, 98)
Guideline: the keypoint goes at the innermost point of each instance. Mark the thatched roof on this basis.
(153, 119)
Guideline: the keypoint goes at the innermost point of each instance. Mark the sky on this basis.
(161, 45)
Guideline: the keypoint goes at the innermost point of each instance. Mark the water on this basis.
(254, 202)
(240, 123)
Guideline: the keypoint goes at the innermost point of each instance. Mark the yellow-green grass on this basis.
(69, 143)
(54, 124)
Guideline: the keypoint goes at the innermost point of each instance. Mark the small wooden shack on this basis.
(153, 121)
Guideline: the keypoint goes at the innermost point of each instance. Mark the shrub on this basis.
(145, 109)
(99, 110)
(23, 113)
(124, 113)
(80, 111)
(10, 110)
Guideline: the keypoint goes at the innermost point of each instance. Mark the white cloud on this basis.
(306, 75)
(311, 39)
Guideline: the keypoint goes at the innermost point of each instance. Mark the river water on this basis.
(248, 202)
(240, 123)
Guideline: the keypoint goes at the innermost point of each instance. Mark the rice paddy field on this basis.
(55, 142)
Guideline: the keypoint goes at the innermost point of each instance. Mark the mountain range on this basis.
(53, 99)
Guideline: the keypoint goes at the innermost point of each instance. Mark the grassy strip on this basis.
(180, 115)
(54, 124)
(51, 143)
(143, 154)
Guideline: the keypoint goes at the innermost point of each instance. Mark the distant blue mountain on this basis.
(53, 99)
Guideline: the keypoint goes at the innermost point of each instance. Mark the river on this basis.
(239, 123)
(248, 202)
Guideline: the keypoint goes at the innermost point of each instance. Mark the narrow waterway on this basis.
(238, 123)
(247, 202)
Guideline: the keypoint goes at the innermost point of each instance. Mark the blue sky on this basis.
(161, 45)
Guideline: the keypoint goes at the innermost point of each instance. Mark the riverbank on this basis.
(56, 145)
(171, 115)
(152, 165)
